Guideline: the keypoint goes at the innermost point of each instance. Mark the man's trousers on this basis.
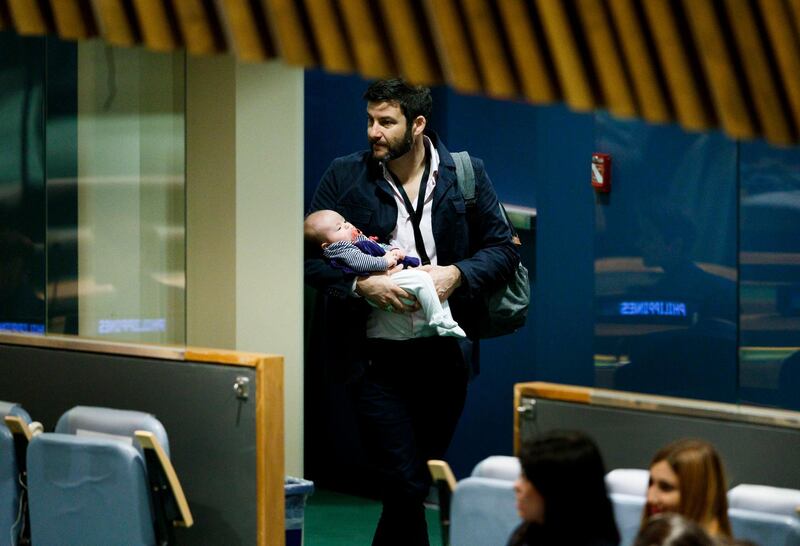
(408, 402)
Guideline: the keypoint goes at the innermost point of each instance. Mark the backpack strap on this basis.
(466, 182)
(466, 176)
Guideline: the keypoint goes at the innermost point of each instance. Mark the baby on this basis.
(348, 249)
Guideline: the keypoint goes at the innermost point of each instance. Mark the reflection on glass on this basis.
(106, 227)
(21, 307)
(665, 276)
(770, 269)
(130, 194)
(22, 213)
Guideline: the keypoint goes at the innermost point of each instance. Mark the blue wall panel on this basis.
(533, 156)
(536, 157)
(335, 122)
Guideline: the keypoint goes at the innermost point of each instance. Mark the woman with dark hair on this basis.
(672, 530)
(561, 493)
(687, 478)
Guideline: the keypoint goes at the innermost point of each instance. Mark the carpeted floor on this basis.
(334, 519)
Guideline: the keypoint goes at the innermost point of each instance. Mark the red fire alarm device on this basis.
(601, 172)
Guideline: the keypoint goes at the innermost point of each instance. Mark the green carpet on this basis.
(334, 519)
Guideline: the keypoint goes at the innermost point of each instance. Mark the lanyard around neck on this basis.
(416, 215)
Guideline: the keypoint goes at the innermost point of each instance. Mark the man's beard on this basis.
(397, 149)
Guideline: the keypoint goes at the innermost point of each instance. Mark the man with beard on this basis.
(408, 393)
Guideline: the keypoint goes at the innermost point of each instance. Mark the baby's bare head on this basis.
(327, 226)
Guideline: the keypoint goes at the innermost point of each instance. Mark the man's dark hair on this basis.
(414, 100)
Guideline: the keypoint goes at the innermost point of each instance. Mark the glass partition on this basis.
(92, 190)
(130, 181)
(665, 263)
(22, 196)
(769, 291)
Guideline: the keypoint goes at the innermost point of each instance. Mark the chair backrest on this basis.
(483, 511)
(627, 489)
(765, 529)
(9, 475)
(88, 481)
(12, 408)
(87, 491)
(765, 498)
(122, 424)
(628, 481)
(627, 515)
(501, 467)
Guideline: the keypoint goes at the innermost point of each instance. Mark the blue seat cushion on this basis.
(765, 529)
(483, 512)
(87, 491)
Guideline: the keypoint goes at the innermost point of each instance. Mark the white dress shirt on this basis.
(393, 325)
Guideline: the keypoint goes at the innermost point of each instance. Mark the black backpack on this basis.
(507, 305)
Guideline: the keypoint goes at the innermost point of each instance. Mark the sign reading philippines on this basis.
(658, 308)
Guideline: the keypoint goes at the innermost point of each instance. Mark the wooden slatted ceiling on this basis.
(73, 19)
(674, 56)
(726, 88)
(650, 95)
(367, 39)
(537, 83)
(403, 23)
(778, 20)
(452, 47)
(241, 29)
(292, 41)
(485, 38)
(330, 38)
(197, 26)
(571, 69)
(114, 24)
(606, 56)
(794, 8)
(695, 62)
(158, 33)
(29, 17)
(756, 68)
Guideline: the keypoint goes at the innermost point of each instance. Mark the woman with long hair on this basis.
(561, 493)
(687, 478)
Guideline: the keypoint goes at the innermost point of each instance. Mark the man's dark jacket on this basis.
(354, 187)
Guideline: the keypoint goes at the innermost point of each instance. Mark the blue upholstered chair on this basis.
(10, 515)
(500, 467)
(480, 509)
(111, 423)
(763, 528)
(765, 498)
(764, 514)
(483, 511)
(91, 481)
(627, 488)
